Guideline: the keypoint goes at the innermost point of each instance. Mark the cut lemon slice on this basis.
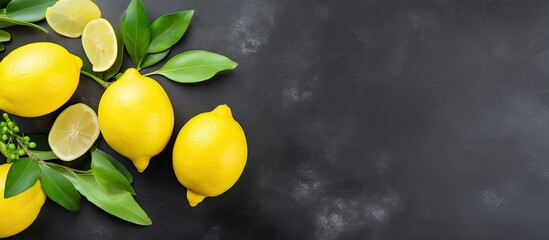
(100, 45)
(69, 17)
(74, 132)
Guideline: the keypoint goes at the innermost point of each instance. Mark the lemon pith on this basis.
(210, 153)
(136, 117)
(20, 211)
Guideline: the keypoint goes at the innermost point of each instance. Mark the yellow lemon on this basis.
(69, 17)
(136, 117)
(37, 79)
(20, 211)
(209, 154)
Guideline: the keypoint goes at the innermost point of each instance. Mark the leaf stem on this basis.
(25, 147)
(101, 82)
(69, 168)
(148, 74)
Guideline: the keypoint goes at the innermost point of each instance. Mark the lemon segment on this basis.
(100, 44)
(69, 17)
(74, 132)
(20, 211)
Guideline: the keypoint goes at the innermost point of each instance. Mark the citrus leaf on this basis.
(2, 46)
(107, 175)
(7, 22)
(168, 29)
(59, 189)
(136, 32)
(153, 58)
(121, 168)
(195, 66)
(4, 36)
(28, 10)
(113, 70)
(44, 155)
(118, 203)
(22, 175)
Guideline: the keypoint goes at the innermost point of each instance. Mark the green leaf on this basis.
(59, 189)
(113, 70)
(153, 58)
(8, 22)
(107, 175)
(195, 66)
(22, 175)
(2, 46)
(44, 155)
(168, 29)
(4, 36)
(28, 10)
(121, 168)
(119, 203)
(136, 32)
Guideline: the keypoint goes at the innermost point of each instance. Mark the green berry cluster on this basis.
(15, 143)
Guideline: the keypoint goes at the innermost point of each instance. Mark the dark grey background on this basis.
(365, 120)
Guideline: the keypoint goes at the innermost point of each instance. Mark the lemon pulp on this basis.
(100, 45)
(74, 132)
(69, 17)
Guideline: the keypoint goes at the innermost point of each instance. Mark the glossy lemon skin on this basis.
(210, 153)
(20, 211)
(136, 117)
(37, 79)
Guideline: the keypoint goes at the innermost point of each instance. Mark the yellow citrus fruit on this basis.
(37, 79)
(136, 117)
(209, 154)
(20, 211)
(69, 17)
(74, 132)
(100, 45)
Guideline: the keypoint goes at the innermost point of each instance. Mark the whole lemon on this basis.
(136, 117)
(209, 154)
(20, 211)
(37, 79)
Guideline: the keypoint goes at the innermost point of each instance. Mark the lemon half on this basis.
(69, 17)
(74, 132)
(100, 44)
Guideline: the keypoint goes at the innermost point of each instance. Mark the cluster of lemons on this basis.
(135, 115)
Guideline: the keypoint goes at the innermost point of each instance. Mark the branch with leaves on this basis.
(147, 44)
(107, 184)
